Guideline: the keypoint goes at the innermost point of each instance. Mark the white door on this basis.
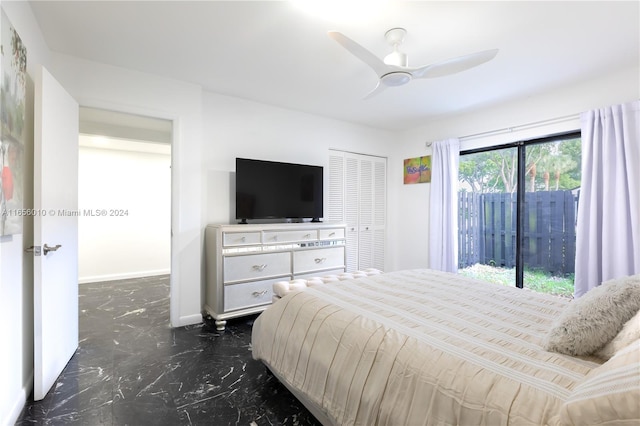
(357, 196)
(56, 226)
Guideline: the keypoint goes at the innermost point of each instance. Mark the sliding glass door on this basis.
(517, 210)
(487, 216)
(552, 182)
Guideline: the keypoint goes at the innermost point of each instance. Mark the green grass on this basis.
(533, 280)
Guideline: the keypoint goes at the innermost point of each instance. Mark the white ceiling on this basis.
(274, 52)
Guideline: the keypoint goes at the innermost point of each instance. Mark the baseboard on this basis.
(122, 276)
(19, 403)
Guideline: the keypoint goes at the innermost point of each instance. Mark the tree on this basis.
(479, 172)
(496, 171)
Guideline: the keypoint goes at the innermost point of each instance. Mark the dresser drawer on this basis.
(256, 266)
(314, 260)
(240, 238)
(246, 295)
(331, 234)
(274, 237)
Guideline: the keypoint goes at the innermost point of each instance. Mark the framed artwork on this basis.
(417, 170)
(13, 70)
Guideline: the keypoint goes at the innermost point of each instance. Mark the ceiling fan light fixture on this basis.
(396, 78)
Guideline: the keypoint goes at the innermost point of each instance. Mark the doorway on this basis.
(124, 203)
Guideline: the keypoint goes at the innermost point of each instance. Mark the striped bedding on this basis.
(419, 347)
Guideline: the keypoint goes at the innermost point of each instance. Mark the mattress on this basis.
(419, 347)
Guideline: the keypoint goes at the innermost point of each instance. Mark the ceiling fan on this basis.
(394, 70)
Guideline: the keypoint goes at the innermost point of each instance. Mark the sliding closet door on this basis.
(365, 216)
(379, 211)
(350, 205)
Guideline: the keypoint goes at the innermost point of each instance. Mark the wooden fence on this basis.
(487, 230)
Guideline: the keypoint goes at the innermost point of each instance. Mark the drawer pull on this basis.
(307, 236)
(333, 234)
(259, 293)
(259, 267)
(320, 259)
(243, 239)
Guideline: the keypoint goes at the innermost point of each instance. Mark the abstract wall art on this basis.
(417, 170)
(13, 74)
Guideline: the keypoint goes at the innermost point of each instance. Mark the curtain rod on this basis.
(519, 127)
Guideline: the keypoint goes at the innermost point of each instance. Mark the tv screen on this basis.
(275, 190)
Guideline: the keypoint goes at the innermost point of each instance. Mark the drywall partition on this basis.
(112, 88)
(564, 102)
(124, 206)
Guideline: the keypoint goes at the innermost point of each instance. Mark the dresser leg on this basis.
(220, 325)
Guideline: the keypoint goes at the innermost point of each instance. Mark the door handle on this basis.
(46, 249)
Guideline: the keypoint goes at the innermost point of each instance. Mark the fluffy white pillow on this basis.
(629, 333)
(590, 322)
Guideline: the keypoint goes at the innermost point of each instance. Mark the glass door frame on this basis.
(521, 183)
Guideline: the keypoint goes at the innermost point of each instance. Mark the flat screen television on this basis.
(275, 190)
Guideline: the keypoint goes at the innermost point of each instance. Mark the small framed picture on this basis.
(417, 170)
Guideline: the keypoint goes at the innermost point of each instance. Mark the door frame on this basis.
(521, 146)
(174, 291)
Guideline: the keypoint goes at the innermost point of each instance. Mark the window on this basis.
(517, 213)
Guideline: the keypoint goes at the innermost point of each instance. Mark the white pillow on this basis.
(590, 322)
(629, 333)
(609, 394)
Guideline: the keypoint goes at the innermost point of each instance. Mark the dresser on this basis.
(243, 262)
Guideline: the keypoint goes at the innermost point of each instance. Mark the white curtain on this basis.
(608, 226)
(443, 206)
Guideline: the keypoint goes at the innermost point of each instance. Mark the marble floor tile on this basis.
(132, 368)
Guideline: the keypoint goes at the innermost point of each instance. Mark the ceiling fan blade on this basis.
(360, 52)
(454, 65)
(379, 88)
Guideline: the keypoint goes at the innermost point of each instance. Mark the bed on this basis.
(426, 347)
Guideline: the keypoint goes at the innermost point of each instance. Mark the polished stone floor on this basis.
(131, 368)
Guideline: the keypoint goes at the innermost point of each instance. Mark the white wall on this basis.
(239, 128)
(134, 187)
(16, 268)
(411, 202)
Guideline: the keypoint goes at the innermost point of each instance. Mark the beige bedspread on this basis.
(419, 347)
